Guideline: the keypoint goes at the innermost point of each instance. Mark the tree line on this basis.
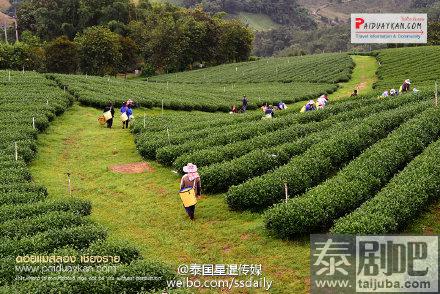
(111, 36)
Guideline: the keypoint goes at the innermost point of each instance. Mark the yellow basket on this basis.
(188, 196)
(101, 120)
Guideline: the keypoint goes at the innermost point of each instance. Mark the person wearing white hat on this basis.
(191, 179)
(406, 86)
(393, 92)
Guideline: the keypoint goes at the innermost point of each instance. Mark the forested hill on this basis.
(283, 12)
(117, 36)
(281, 27)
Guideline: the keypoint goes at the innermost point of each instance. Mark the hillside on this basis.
(69, 186)
(258, 22)
(4, 5)
(325, 11)
(419, 64)
(218, 88)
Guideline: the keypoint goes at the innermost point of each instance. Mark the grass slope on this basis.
(146, 210)
(362, 78)
(257, 21)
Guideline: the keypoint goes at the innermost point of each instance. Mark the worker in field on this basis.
(269, 112)
(310, 106)
(109, 109)
(405, 86)
(322, 101)
(385, 93)
(190, 189)
(282, 105)
(233, 109)
(354, 94)
(126, 114)
(244, 102)
(393, 92)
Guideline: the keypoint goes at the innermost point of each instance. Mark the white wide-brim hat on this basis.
(408, 82)
(311, 102)
(190, 168)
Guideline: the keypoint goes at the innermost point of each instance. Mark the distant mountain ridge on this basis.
(263, 15)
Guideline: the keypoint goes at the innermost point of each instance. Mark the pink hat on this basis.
(190, 168)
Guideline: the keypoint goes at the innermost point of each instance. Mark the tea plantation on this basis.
(420, 64)
(362, 165)
(31, 225)
(211, 97)
(321, 157)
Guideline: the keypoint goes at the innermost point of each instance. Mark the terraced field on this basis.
(420, 64)
(30, 224)
(218, 88)
(362, 165)
(97, 92)
(314, 155)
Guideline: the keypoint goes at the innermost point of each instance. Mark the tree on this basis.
(130, 58)
(235, 42)
(20, 55)
(62, 56)
(53, 18)
(99, 51)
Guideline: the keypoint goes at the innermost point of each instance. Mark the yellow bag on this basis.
(108, 115)
(124, 117)
(188, 196)
(101, 120)
(303, 109)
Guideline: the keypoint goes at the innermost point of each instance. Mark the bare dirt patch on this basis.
(245, 236)
(131, 168)
(227, 249)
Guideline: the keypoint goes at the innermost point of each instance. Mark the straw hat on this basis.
(190, 168)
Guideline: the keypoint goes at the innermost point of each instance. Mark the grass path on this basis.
(144, 209)
(362, 78)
